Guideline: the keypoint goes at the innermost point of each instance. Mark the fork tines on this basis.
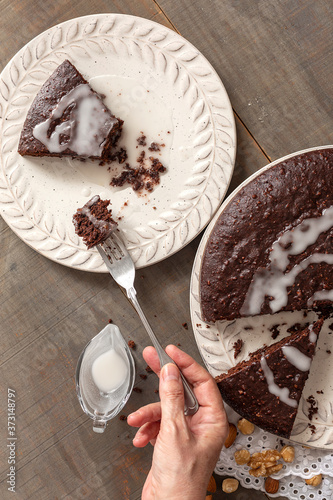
(112, 249)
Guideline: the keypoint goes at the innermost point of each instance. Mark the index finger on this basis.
(204, 386)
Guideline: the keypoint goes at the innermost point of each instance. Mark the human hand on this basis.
(186, 449)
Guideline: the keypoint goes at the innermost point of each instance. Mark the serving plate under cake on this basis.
(216, 342)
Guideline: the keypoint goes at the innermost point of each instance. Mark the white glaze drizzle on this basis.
(297, 358)
(274, 281)
(320, 295)
(87, 126)
(296, 240)
(312, 335)
(102, 225)
(281, 393)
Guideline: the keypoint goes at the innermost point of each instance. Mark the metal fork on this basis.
(122, 269)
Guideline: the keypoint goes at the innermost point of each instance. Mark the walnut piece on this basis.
(314, 480)
(230, 485)
(288, 453)
(245, 427)
(242, 457)
(265, 463)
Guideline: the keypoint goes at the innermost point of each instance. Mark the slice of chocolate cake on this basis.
(68, 118)
(272, 247)
(267, 388)
(93, 222)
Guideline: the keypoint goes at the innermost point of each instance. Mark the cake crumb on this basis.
(137, 389)
(313, 428)
(110, 321)
(313, 407)
(143, 376)
(275, 331)
(238, 345)
(156, 391)
(154, 147)
(148, 369)
(142, 140)
(185, 325)
(122, 417)
(131, 344)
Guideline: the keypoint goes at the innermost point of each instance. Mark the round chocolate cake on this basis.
(272, 247)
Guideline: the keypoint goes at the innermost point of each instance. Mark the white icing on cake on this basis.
(321, 295)
(274, 281)
(297, 358)
(86, 128)
(281, 392)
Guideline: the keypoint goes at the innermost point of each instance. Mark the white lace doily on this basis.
(308, 462)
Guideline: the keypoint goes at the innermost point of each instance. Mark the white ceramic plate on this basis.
(215, 343)
(159, 84)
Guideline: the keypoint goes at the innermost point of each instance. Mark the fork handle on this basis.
(191, 402)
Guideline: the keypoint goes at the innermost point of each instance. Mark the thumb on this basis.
(171, 391)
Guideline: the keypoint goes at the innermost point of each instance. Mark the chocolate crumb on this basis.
(185, 325)
(137, 389)
(320, 392)
(313, 428)
(142, 140)
(275, 331)
(122, 417)
(238, 345)
(143, 376)
(131, 344)
(154, 147)
(313, 407)
(179, 344)
(156, 391)
(141, 157)
(328, 351)
(148, 369)
(110, 321)
(120, 155)
(297, 327)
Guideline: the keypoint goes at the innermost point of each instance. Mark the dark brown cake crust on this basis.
(278, 199)
(64, 79)
(93, 222)
(245, 387)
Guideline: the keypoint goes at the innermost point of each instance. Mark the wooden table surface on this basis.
(275, 60)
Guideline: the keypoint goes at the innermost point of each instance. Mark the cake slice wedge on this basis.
(266, 389)
(68, 118)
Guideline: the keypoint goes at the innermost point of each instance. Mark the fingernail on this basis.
(134, 414)
(170, 372)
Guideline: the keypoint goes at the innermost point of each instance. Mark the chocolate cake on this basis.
(267, 388)
(93, 222)
(272, 247)
(68, 118)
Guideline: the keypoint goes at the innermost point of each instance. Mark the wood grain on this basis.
(275, 59)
